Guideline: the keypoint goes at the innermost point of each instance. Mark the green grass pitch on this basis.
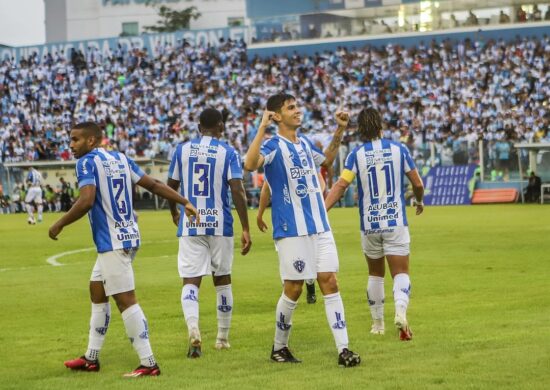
(480, 309)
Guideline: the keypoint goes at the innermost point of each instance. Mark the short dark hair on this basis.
(90, 128)
(276, 102)
(369, 124)
(210, 117)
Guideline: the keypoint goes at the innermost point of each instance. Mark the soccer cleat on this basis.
(311, 297)
(144, 371)
(194, 344)
(283, 355)
(377, 327)
(82, 364)
(222, 344)
(31, 221)
(348, 358)
(405, 333)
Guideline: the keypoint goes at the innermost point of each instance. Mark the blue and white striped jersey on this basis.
(204, 166)
(380, 167)
(34, 177)
(297, 204)
(112, 216)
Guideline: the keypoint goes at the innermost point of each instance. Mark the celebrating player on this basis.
(34, 195)
(304, 242)
(206, 169)
(105, 181)
(380, 166)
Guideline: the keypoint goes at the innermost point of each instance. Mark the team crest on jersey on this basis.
(339, 324)
(299, 265)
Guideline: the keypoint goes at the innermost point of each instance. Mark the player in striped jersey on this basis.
(304, 242)
(105, 180)
(206, 170)
(381, 166)
(34, 195)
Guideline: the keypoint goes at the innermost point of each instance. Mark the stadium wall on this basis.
(302, 47)
(312, 46)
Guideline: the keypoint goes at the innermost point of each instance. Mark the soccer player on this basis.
(380, 166)
(206, 170)
(305, 245)
(34, 195)
(105, 180)
(265, 197)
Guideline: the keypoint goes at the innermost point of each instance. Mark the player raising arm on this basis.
(305, 245)
(380, 166)
(205, 170)
(105, 181)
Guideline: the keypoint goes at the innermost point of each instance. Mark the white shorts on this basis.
(34, 194)
(204, 255)
(387, 241)
(114, 269)
(301, 258)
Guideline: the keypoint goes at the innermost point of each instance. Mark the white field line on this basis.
(52, 260)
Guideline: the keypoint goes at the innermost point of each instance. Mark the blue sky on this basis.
(22, 22)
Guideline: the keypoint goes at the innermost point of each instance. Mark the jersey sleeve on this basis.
(317, 154)
(85, 173)
(268, 150)
(136, 172)
(235, 170)
(407, 159)
(174, 172)
(350, 167)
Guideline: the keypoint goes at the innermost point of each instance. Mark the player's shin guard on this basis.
(224, 303)
(138, 333)
(401, 293)
(99, 323)
(283, 320)
(375, 297)
(190, 305)
(334, 308)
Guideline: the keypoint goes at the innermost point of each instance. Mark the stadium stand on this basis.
(148, 102)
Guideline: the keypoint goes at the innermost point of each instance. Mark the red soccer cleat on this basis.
(144, 371)
(82, 364)
(405, 333)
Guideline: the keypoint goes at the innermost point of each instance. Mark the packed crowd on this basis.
(452, 95)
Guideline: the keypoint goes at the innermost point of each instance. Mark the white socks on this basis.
(224, 305)
(283, 320)
(138, 333)
(401, 293)
(190, 305)
(40, 209)
(99, 323)
(334, 309)
(375, 297)
(30, 211)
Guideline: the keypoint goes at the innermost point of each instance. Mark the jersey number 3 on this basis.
(201, 180)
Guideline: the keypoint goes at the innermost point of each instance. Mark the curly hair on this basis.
(369, 124)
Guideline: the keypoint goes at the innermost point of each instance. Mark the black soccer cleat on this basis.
(311, 297)
(348, 358)
(283, 355)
